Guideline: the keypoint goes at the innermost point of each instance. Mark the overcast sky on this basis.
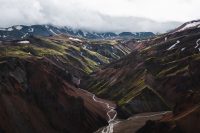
(101, 15)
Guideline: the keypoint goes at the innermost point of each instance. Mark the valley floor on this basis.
(132, 124)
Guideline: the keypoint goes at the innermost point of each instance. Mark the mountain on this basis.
(39, 81)
(23, 32)
(81, 56)
(68, 83)
(186, 107)
(158, 75)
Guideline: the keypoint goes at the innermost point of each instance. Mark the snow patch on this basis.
(197, 42)
(31, 30)
(190, 25)
(24, 35)
(46, 26)
(18, 27)
(23, 42)
(10, 29)
(53, 32)
(174, 45)
(75, 39)
(134, 33)
(183, 49)
(165, 39)
(85, 33)
(59, 31)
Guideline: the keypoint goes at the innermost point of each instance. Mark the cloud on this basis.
(100, 15)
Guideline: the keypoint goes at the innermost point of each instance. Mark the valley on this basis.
(80, 83)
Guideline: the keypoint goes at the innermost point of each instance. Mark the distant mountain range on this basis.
(22, 32)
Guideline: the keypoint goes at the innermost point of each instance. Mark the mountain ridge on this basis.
(22, 32)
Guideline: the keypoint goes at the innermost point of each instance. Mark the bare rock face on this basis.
(36, 96)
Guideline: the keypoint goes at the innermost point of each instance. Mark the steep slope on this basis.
(127, 82)
(23, 32)
(37, 83)
(37, 96)
(37, 65)
(154, 76)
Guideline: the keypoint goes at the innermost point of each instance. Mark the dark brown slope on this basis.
(132, 124)
(185, 117)
(35, 96)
